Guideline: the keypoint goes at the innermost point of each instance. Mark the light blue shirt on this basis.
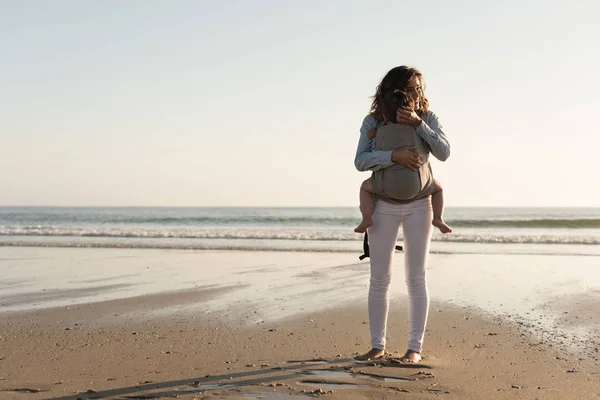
(367, 159)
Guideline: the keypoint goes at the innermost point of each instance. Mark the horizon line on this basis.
(283, 206)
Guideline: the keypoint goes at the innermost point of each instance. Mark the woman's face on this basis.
(415, 91)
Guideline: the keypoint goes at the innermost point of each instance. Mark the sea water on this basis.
(539, 286)
(476, 230)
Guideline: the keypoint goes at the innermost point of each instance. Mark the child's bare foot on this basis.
(362, 228)
(370, 355)
(441, 225)
(411, 357)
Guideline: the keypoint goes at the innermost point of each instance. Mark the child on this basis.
(397, 182)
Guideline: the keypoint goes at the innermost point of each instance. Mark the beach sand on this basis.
(157, 324)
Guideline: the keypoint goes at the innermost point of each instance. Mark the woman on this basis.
(415, 216)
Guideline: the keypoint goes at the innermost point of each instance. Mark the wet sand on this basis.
(232, 332)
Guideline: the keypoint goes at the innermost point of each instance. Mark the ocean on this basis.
(476, 230)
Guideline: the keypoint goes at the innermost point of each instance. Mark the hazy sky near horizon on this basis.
(259, 103)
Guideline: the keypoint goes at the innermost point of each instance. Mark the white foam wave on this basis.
(518, 239)
(300, 235)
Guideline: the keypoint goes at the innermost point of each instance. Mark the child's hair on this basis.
(394, 100)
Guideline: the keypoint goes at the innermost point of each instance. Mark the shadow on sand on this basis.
(317, 373)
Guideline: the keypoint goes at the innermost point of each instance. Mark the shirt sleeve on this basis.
(367, 159)
(432, 132)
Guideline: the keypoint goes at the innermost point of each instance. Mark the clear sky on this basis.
(259, 103)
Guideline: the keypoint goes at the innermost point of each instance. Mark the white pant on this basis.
(416, 219)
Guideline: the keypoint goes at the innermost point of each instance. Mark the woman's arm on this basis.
(432, 132)
(366, 159)
(429, 129)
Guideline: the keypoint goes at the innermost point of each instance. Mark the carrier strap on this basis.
(366, 248)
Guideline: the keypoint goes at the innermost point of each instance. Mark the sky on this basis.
(259, 103)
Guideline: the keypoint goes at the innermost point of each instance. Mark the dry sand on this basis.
(123, 349)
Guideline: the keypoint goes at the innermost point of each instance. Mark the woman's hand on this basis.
(372, 134)
(408, 157)
(408, 116)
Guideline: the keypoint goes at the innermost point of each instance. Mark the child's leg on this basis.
(437, 203)
(366, 206)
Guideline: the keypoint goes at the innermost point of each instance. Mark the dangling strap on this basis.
(366, 248)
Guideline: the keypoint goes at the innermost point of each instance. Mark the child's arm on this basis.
(367, 159)
(372, 134)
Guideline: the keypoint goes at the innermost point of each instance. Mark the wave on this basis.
(214, 220)
(269, 247)
(528, 223)
(299, 235)
(326, 221)
(177, 233)
(519, 239)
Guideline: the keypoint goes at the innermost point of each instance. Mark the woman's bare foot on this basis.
(364, 224)
(411, 357)
(370, 355)
(441, 225)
